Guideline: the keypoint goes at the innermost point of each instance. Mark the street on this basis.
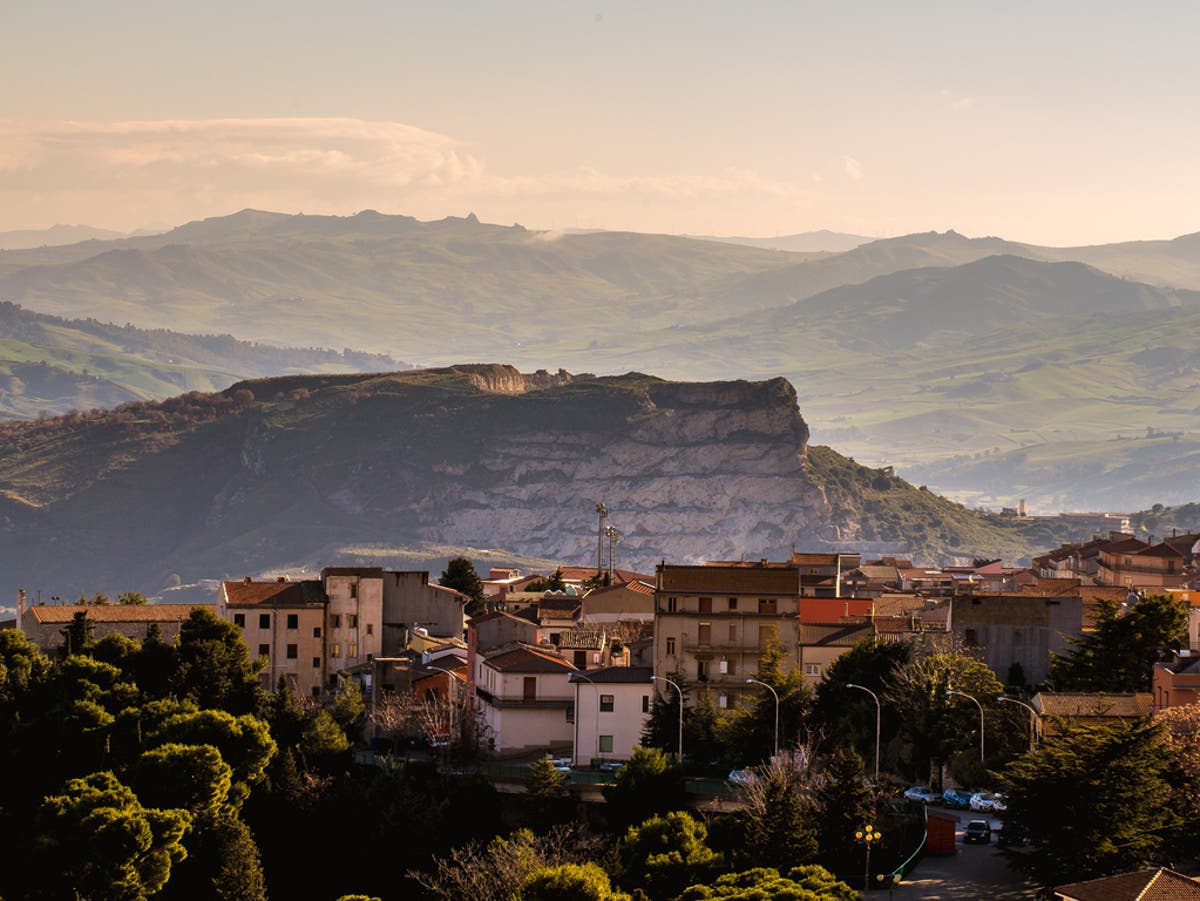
(975, 872)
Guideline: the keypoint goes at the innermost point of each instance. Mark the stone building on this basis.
(45, 625)
(1016, 628)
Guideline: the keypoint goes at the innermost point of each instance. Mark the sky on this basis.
(1065, 123)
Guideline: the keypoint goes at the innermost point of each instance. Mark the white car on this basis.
(922, 793)
(982, 802)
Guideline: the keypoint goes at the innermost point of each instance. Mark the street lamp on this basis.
(680, 690)
(975, 700)
(868, 835)
(593, 684)
(878, 720)
(776, 694)
(1033, 718)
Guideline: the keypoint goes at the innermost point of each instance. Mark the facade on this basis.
(712, 623)
(1176, 684)
(354, 615)
(1018, 629)
(282, 623)
(612, 706)
(625, 602)
(411, 602)
(1131, 563)
(524, 700)
(823, 643)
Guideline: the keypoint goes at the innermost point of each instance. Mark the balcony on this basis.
(538, 703)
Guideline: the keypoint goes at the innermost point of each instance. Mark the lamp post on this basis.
(868, 835)
(614, 538)
(1033, 718)
(975, 700)
(878, 721)
(593, 684)
(776, 694)
(680, 690)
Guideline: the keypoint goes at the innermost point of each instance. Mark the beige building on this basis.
(354, 615)
(713, 622)
(523, 699)
(411, 603)
(623, 603)
(612, 706)
(821, 644)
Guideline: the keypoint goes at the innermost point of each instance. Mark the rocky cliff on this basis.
(301, 471)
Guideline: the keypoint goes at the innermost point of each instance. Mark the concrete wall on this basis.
(624, 722)
(1014, 628)
(408, 598)
(354, 623)
(296, 651)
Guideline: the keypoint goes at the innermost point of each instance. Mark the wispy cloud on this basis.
(852, 167)
(958, 102)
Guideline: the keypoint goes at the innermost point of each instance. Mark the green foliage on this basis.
(544, 782)
(778, 820)
(348, 707)
(244, 743)
(569, 882)
(191, 777)
(666, 854)
(460, 575)
(132, 598)
(843, 803)
(1119, 654)
(936, 725)
(96, 840)
(215, 669)
(807, 883)
(1092, 800)
(752, 729)
(323, 738)
(649, 784)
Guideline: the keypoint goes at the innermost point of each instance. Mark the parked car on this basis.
(978, 831)
(922, 793)
(742, 777)
(983, 802)
(1001, 802)
(956, 798)
(611, 766)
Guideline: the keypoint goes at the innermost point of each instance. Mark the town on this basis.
(554, 684)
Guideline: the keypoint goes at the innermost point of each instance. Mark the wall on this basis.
(354, 619)
(409, 598)
(624, 723)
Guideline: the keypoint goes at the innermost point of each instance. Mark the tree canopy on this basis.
(460, 575)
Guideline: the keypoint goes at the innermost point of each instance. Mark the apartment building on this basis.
(712, 622)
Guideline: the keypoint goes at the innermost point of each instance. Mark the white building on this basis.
(523, 699)
(611, 709)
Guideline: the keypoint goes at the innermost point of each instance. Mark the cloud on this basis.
(852, 167)
(963, 103)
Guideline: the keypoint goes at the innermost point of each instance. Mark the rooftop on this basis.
(307, 593)
(1092, 704)
(609, 675)
(116, 613)
(1158, 884)
(525, 658)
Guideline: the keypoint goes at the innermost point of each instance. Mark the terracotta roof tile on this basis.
(1145, 885)
(117, 613)
(836, 635)
(306, 593)
(1093, 704)
(527, 659)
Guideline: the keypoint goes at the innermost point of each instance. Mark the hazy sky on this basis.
(1058, 123)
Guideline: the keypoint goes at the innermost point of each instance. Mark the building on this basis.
(524, 700)
(713, 622)
(612, 706)
(46, 625)
(412, 602)
(1087, 707)
(1016, 629)
(1131, 563)
(822, 643)
(354, 616)
(1154, 884)
(624, 602)
(1177, 683)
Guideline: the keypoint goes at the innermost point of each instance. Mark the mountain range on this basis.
(936, 353)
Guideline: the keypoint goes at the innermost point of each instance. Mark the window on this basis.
(727, 667)
(336, 650)
(812, 669)
(293, 651)
(264, 650)
(670, 646)
(706, 605)
(370, 628)
(732, 633)
(766, 605)
(529, 688)
(335, 621)
(352, 650)
(239, 619)
(767, 636)
(606, 744)
(353, 589)
(722, 701)
(732, 604)
(705, 636)
(352, 620)
(672, 604)
(702, 670)
(264, 620)
(316, 663)
(571, 712)
(606, 703)
(316, 691)
(316, 631)
(645, 703)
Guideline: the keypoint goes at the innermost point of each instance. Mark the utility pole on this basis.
(601, 512)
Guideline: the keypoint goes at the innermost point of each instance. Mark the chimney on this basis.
(281, 578)
(247, 580)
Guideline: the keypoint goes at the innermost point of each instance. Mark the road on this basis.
(976, 872)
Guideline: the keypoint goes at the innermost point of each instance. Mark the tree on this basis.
(843, 804)
(348, 707)
(215, 669)
(846, 716)
(934, 724)
(191, 777)
(569, 882)
(808, 883)
(752, 729)
(546, 794)
(666, 854)
(244, 743)
(647, 785)
(460, 575)
(132, 598)
(1119, 654)
(777, 819)
(1182, 736)
(96, 841)
(1091, 802)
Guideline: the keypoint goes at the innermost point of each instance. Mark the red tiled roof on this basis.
(306, 593)
(116, 613)
(1158, 884)
(527, 659)
(1160, 550)
(839, 635)
(1092, 704)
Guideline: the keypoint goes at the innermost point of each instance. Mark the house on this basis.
(612, 706)
(870, 580)
(713, 622)
(822, 643)
(412, 602)
(1087, 707)
(523, 699)
(586, 648)
(1132, 563)
(45, 625)
(1153, 884)
(624, 602)
(1011, 630)
(1177, 683)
